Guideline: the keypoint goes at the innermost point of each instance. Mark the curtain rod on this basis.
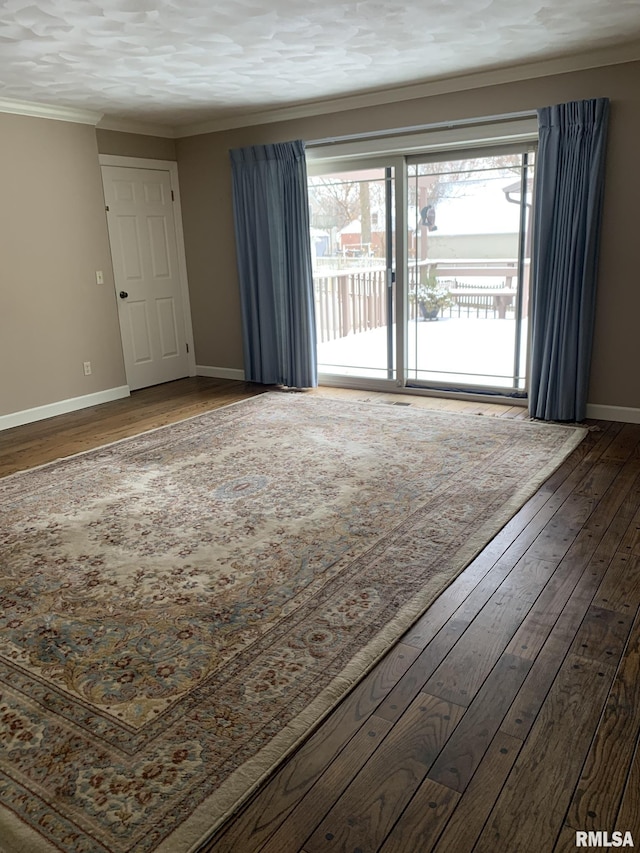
(419, 128)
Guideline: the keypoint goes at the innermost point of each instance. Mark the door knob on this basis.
(123, 294)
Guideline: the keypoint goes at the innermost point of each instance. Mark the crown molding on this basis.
(616, 55)
(140, 127)
(35, 110)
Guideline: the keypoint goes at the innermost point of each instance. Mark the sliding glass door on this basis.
(456, 315)
(468, 282)
(353, 251)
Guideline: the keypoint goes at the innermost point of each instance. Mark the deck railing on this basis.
(349, 301)
(355, 300)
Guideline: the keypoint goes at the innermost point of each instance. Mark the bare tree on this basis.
(334, 204)
(437, 180)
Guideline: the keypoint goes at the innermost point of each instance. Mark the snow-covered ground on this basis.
(467, 351)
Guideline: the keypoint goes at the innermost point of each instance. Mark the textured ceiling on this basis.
(177, 62)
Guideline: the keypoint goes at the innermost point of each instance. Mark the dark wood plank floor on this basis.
(507, 718)
(43, 441)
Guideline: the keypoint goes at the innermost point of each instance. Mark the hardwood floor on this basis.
(507, 718)
(43, 441)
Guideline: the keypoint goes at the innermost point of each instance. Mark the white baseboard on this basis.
(39, 413)
(220, 372)
(613, 413)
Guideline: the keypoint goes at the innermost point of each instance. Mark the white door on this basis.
(145, 264)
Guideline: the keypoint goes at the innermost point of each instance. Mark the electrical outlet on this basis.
(87, 368)
(99, 277)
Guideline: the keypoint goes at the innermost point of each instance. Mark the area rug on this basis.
(179, 609)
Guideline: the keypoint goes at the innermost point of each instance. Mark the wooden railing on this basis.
(483, 298)
(355, 300)
(472, 268)
(350, 301)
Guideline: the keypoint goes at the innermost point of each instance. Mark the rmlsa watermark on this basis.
(604, 839)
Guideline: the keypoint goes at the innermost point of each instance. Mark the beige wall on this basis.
(205, 185)
(53, 238)
(135, 145)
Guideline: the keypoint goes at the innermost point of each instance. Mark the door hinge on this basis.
(106, 207)
(187, 347)
(173, 198)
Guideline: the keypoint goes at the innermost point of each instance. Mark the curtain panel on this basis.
(271, 215)
(569, 188)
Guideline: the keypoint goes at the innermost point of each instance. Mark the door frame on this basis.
(524, 148)
(171, 167)
(361, 150)
(331, 165)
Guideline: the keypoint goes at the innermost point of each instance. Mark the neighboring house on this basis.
(54, 316)
(349, 238)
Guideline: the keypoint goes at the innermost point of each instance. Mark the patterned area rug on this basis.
(180, 608)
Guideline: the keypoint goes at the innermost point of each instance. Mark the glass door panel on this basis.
(468, 283)
(353, 252)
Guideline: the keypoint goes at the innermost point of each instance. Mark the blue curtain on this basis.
(271, 213)
(569, 188)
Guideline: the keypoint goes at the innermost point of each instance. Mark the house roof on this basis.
(180, 62)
